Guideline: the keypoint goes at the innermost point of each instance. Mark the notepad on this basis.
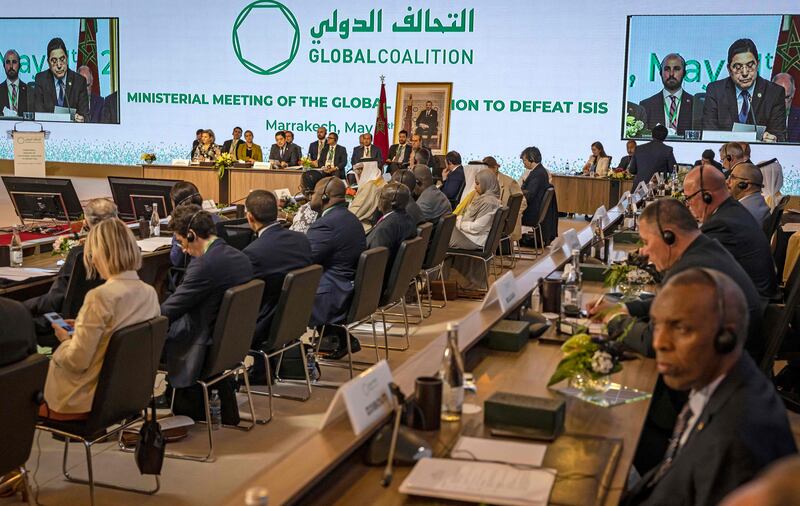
(498, 450)
(482, 482)
(24, 273)
(154, 243)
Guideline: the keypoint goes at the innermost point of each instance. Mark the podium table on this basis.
(204, 178)
(242, 180)
(584, 194)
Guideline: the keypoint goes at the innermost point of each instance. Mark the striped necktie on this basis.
(14, 97)
(674, 443)
(672, 109)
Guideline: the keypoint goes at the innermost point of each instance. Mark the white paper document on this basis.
(154, 243)
(498, 450)
(481, 482)
(23, 273)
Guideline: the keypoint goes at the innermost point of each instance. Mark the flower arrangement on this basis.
(63, 244)
(628, 278)
(619, 174)
(588, 358)
(148, 157)
(306, 162)
(634, 127)
(223, 161)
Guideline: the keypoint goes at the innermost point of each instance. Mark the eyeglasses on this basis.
(687, 198)
(60, 59)
(738, 67)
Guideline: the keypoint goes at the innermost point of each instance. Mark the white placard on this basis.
(283, 193)
(367, 399)
(503, 290)
(29, 154)
(571, 240)
(181, 162)
(728, 136)
(601, 215)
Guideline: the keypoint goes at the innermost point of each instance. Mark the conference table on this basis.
(584, 194)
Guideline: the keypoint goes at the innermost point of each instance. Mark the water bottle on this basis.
(144, 228)
(16, 248)
(311, 364)
(629, 221)
(256, 496)
(155, 222)
(571, 293)
(452, 374)
(215, 407)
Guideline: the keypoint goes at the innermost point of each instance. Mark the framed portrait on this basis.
(424, 109)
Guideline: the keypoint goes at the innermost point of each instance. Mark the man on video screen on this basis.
(13, 92)
(672, 106)
(745, 97)
(59, 86)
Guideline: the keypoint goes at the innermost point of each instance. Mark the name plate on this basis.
(367, 399)
(601, 216)
(571, 240)
(504, 291)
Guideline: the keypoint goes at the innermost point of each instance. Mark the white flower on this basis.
(602, 362)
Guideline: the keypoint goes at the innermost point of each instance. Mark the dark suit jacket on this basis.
(432, 120)
(793, 125)
(654, 108)
(625, 161)
(278, 251)
(737, 230)
(375, 152)
(337, 241)
(533, 188)
(433, 204)
(649, 158)
(393, 152)
(96, 103)
(17, 341)
(226, 146)
(192, 309)
(289, 155)
(314, 151)
(767, 106)
(298, 151)
(742, 429)
(23, 104)
(453, 186)
(76, 97)
(110, 112)
(339, 159)
(415, 212)
(707, 253)
(391, 230)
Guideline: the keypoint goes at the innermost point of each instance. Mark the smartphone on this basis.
(58, 320)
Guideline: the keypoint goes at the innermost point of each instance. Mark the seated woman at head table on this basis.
(207, 150)
(598, 162)
(248, 150)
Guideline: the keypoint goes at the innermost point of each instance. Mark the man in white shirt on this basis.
(672, 107)
(745, 184)
(13, 92)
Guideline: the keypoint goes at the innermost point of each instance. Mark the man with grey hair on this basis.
(13, 92)
(786, 81)
(95, 211)
(95, 101)
(672, 106)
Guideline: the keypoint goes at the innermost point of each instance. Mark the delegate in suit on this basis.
(366, 150)
(745, 97)
(733, 424)
(652, 157)
(96, 102)
(427, 121)
(672, 106)
(316, 147)
(333, 158)
(786, 81)
(13, 92)
(282, 153)
(399, 153)
(58, 86)
(746, 183)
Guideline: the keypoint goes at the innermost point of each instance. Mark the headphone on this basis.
(195, 194)
(325, 196)
(744, 183)
(668, 236)
(724, 340)
(706, 196)
(190, 235)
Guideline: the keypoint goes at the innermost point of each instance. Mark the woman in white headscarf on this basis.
(773, 181)
(473, 224)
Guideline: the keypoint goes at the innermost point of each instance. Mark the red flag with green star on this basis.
(381, 135)
(87, 50)
(787, 53)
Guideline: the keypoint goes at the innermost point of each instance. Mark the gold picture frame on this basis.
(411, 113)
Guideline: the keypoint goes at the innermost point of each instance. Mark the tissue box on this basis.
(508, 335)
(524, 415)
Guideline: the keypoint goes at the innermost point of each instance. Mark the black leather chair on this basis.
(454, 202)
(124, 390)
(233, 334)
(437, 252)
(549, 194)
(289, 323)
(236, 232)
(425, 232)
(777, 319)
(486, 255)
(21, 384)
(366, 295)
(514, 205)
(774, 219)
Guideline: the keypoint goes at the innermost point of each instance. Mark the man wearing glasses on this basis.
(13, 92)
(745, 97)
(58, 86)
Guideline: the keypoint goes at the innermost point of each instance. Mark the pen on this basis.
(596, 304)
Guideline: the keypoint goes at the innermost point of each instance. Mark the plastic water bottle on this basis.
(155, 222)
(256, 496)
(215, 407)
(16, 249)
(452, 374)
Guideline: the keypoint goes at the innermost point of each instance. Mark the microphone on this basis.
(398, 412)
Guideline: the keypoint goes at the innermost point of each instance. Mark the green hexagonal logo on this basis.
(257, 63)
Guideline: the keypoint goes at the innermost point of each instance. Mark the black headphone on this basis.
(725, 340)
(187, 198)
(744, 183)
(706, 196)
(325, 196)
(190, 235)
(668, 236)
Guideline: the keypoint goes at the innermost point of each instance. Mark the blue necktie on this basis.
(745, 106)
(60, 93)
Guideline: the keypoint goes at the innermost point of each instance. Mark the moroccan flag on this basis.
(381, 137)
(787, 53)
(87, 50)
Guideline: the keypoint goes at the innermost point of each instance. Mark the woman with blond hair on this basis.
(111, 252)
(207, 150)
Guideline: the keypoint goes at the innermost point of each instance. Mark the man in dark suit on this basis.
(95, 211)
(652, 157)
(399, 154)
(337, 241)
(60, 86)
(192, 309)
(395, 226)
(745, 184)
(453, 179)
(196, 141)
(276, 251)
(744, 96)
(625, 161)
(733, 424)
(433, 204)
(786, 81)
(231, 144)
(298, 151)
(333, 158)
(13, 92)
(419, 154)
(17, 341)
(283, 154)
(427, 122)
(672, 106)
(723, 218)
(316, 147)
(366, 150)
(407, 178)
(707, 158)
(111, 114)
(96, 102)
